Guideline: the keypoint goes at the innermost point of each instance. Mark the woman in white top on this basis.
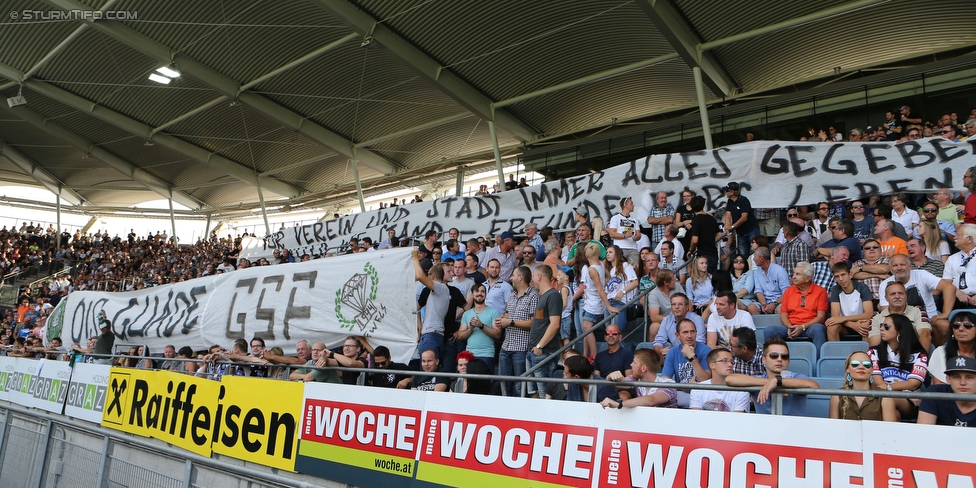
(899, 361)
(595, 302)
(935, 247)
(900, 213)
(621, 283)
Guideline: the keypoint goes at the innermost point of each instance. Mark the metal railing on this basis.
(602, 382)
(603, 323)
(40, 449)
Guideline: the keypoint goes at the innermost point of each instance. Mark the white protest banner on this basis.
(772, 174)
(40, 384)
(86, 393)
(325, 300)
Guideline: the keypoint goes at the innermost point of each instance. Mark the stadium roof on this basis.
(281, 96)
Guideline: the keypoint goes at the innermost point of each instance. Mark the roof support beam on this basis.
(228, 87)
(142, 130)
(122, 166)
(673, 26)
(247, 86)
(786, 24)
(40, 174)
(445, 80)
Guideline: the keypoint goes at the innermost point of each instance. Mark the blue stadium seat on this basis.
(829, 383)
(800, 364)
(766, 320)
(602, 346)
(644, 345)
(804, 350)
(842, 349)
(818, 406)
(832, 367)
(760, 336)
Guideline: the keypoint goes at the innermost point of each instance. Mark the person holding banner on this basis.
(105, 341)
(432, 328)
(743, 221)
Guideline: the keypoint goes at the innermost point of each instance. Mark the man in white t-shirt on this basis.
(920, 286)
(720, 363)
(727, 317)
(851, 304)
(624, 231)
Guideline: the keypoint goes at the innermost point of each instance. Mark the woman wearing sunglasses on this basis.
(961, 342)
(859, 377)
(899, 362)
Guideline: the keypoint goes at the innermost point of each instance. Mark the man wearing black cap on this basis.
(106, 340)
(742, 219)
(961, 376)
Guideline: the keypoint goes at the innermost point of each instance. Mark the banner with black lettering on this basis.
(772, 174)
(87, 392)
(324, 300)
(37, 383)
(255, 429)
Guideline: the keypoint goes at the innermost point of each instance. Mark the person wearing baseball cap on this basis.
(505, 254)
(961, 375)
(106, 340)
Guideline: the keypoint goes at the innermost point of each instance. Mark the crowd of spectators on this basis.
(888, 270)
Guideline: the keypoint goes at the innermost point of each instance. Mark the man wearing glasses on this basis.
(776, 358)
(873, 268)
(842, 232)
(720, 363)
(614, 363)
(384, 379)
(931, 211)
(821, 224)
(804, 309)
(863, 223)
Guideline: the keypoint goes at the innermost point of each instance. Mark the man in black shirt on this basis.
(704, 234)
(383, 379)
(743, 221)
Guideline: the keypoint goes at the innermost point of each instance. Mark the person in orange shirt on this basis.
(884, 232)
(22, 310)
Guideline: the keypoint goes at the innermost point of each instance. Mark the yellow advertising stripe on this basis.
(469, 478)
(272, 426)
(118, 399)
(357, 458)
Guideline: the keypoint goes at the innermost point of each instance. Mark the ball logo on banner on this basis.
(353, 295)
